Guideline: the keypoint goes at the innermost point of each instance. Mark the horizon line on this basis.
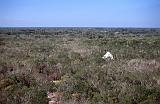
(73, 27)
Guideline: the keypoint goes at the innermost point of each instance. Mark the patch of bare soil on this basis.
(54, 97)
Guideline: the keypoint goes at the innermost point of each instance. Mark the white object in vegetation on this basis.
(108, 55)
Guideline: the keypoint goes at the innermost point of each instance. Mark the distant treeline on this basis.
(89, 32)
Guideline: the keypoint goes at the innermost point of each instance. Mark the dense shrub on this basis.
(32, 65)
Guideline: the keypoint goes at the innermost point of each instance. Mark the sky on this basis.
(80, 13)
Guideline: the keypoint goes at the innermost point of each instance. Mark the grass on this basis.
(26, 61)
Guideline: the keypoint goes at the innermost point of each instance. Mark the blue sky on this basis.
(80, 13)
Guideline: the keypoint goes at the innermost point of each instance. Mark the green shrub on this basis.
(39, 97)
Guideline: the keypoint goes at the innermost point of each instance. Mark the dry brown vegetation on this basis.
(32, 65)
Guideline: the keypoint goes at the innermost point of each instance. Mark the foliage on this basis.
(28, 59)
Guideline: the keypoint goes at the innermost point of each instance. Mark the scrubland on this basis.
(72, 65)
